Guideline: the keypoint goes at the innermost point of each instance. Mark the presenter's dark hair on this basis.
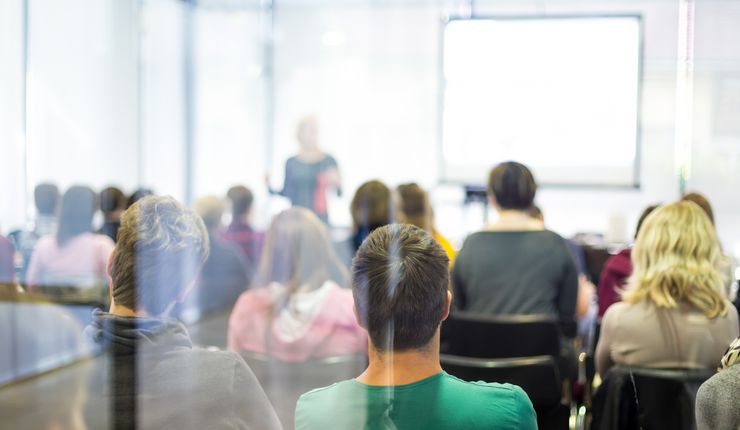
(512, 185)
(400, 279)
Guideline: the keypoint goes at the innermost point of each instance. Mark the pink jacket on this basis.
(81, 262)
(322, 324)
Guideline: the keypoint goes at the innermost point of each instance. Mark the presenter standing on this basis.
(311, 173)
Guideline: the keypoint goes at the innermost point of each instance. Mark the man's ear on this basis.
(448, 304)
(357, 317)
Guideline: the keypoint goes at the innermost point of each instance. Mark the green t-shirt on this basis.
(440, 401)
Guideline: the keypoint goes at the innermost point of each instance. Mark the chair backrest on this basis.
(511, 336)
(284, 382)
(631, 397)
(538, 376)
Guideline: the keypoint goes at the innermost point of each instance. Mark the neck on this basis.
(511, 219)
(123, 311)
(401, 367)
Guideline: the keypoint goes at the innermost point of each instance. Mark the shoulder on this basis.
(719, 388)
(323, 393)
(510, 400)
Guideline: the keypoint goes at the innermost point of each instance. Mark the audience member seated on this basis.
(726, 264)
(373, 205)
(586, 289)
(225, 274)
(46, 199)
(616, 271)
(158, 379)
(674, 313)
(112, 204)
(400, 287)
(298, 308)
(7, 261)
(239, 231)
(515, 266)
(138, 195)
(75, 256)
(716, 401)
(418, 211)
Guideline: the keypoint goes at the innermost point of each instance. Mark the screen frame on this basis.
(636, 183)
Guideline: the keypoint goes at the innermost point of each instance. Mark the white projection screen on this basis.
(560, 94)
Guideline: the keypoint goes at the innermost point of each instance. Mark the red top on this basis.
(614, 276)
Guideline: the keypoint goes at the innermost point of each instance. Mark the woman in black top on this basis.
(515, 266)
(310, 173)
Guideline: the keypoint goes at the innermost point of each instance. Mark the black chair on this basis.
(284, 382)
(632, 398)
(508, 336)
(524, 350)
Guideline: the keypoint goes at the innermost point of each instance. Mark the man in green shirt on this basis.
(400, 281)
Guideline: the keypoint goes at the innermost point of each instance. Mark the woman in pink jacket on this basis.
(298, 309)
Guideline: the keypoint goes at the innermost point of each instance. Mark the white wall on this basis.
(12, 195)
(369, 71)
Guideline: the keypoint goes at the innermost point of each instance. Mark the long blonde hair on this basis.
(675, 260)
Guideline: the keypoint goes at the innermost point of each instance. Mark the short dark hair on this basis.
(137, 195)
(400, 279)
(241, 200)
(46, 197)
(161, 247)
(647, 211)
(513, 185)
(702, 201)
(76, 214)
(372, 205)
(112, 199)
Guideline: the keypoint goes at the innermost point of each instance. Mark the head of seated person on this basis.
(373, 205)
(511, 190)
(400, 279)
(112, 203)
(160, 250)
(241, 199)
(46, 198)
(416, 206)
(76, 214)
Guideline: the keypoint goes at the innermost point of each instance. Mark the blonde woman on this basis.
(674, 313)
(298, 308)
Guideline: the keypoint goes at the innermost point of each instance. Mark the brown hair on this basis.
(648, 210)
(512, 185)
(161, 247)
(415, 205)
(372, 205)
(112, 199)
(400, 279)
(702, 201)
(241, 200)
(76, 214)
(298, 252)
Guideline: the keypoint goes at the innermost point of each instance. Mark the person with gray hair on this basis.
(158, 378)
